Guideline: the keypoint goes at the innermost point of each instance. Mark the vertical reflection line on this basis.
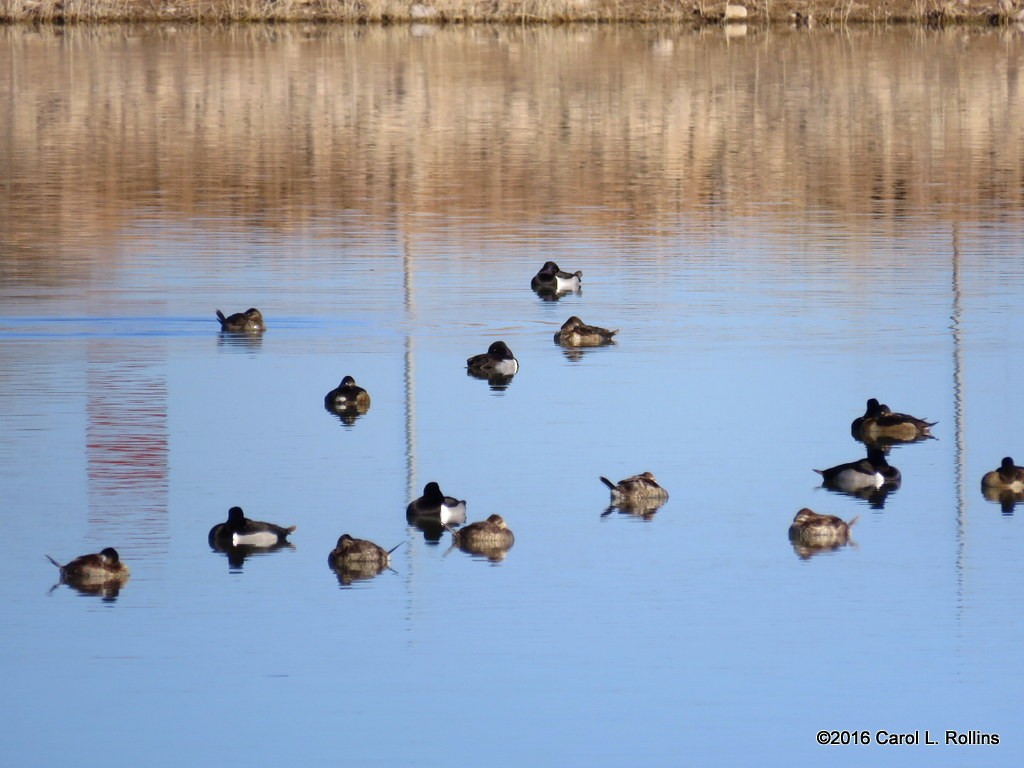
(958, 413)
(409, 375)
(410, 371)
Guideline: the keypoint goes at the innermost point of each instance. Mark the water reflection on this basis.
(348, 573)
(237, 554)
(703, 122)
(643, 509)
(239, 342)
(1007, 500)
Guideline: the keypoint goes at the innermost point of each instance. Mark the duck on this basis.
(498, 360)
(879, 421)
(359, 552)
(575, 333)
(100, 567)
(552, 279)
(347, 396)
(1008, 477)
(435, 505)
(636, 488)
(240, 531)
(814, 529)
(871, 472)
(490, 537)
(250, 321)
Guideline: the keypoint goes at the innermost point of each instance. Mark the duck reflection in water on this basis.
(239, 342)
(433, 512)
(101, 574)
(490, 538)
(239, 537)
(1004, 485)
(641, 509)
(497, 366)
(551, 283)
(881, 427)
(347, 401)
(812, 534)
(871, 478)
(358, 559)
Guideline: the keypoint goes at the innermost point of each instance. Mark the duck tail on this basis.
(819, 471)
(452, 531)
(54, 561)
(395, 547)
(853, 521)
(608, 482)
(220, 316)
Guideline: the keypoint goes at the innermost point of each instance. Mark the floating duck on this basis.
(250, 321)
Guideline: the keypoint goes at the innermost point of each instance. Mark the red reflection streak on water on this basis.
(127, 443)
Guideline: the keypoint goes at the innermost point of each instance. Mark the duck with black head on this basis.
(498, 360)
(880, 424)
(1006, 477)
(240, 531)
(551, 279)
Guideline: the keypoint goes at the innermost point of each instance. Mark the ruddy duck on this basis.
(351, 551)
(250, 321)
(496, 361)
(1008, 477)
(435, 505)
(879, 421)
(819, 530)
(347, 396)
(553, 280)
(490, 537)
(96, 568)
(240, 531)
(635, 488)
(872, 472)
(576, 333)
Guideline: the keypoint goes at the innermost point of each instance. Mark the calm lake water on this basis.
(781, 225)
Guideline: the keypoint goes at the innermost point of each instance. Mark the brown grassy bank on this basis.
(802, 12)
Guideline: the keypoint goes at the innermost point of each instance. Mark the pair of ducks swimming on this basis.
(498, 360)
(879, 425)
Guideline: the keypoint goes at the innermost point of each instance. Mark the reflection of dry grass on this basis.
(274, 126)
(518, 11)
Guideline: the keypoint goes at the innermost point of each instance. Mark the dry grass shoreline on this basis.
(695, 12)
